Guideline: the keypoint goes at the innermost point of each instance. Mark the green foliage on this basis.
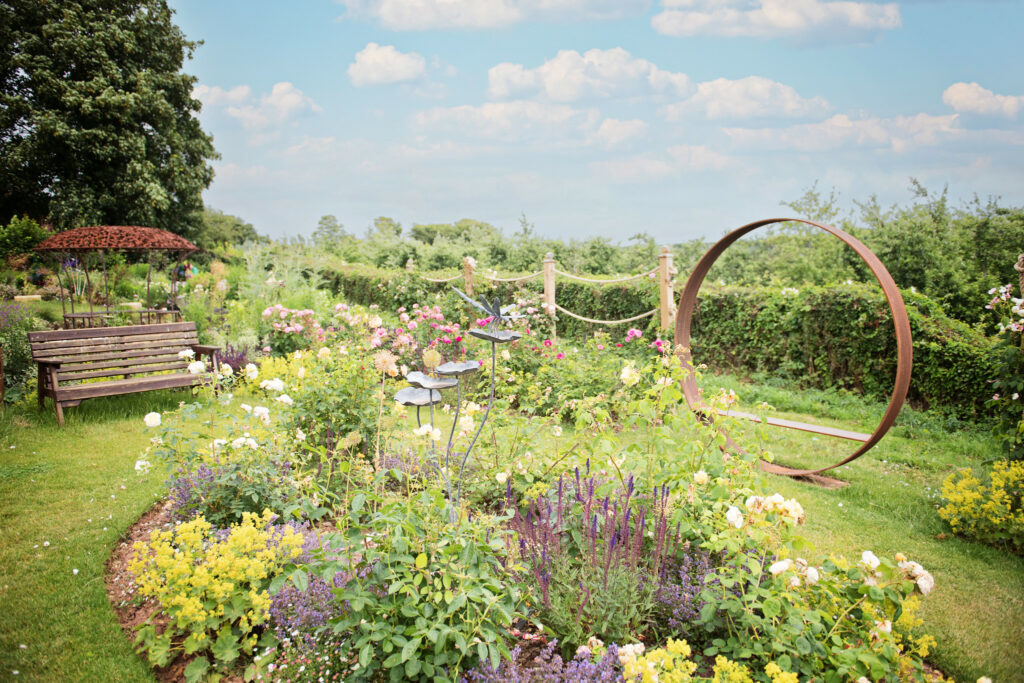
(1008, 375)
(219, 228)
(990, 511)
(16, 321)
(20, 236)
(427, 601)
(213, 589)
(97, 121)
(842, 337)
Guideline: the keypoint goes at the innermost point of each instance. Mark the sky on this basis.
(681, 119)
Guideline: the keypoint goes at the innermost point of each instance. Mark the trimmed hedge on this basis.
(837, 336)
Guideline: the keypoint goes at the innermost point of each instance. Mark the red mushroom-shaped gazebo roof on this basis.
(129, 237)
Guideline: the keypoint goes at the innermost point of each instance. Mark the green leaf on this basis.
(226, 647)
(412, 667)
(358, 501)
(364, 655)
(300, 579)
(410, 648)
(196, 670)
(421, 561)
(771, 607)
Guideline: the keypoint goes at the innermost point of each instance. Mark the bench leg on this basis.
(39, 388)
(60, 413)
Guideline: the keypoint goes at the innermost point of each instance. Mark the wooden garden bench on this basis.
(106, 361)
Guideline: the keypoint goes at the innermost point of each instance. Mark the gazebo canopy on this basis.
(127, 237)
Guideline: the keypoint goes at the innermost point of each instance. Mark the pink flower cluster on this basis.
(632, 334)
(292, 321)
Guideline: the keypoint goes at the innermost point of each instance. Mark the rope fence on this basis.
(606, 322)
(606, 282)
(493, 278)
(664, 273)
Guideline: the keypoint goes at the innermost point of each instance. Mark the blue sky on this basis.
(678, 118)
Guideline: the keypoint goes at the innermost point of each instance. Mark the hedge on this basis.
(837, 336)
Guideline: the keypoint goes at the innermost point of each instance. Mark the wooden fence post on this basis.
(667, 292)
(468, 268)
(549, 287)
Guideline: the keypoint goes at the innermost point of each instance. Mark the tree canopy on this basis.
(97, 121)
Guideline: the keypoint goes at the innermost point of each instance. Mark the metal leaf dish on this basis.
(495, 336)
(414, 396)
(463, 368)
(424, 381)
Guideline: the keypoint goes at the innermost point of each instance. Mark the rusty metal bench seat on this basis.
(108, 361)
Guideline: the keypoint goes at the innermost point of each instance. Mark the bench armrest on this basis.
(53, 363)
(204, 349)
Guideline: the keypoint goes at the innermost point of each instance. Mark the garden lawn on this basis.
(976, 611)
(75, 489)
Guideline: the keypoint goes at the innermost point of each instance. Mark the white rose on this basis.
(186, 353)
(811, 576)
(196, 367)
(780, 566)
(502, 477)
(734, 516)
(323, 353)
(226, 370)
(300, 435)
(251, 371)
(285, 399)
(142, 466)
(152, 419)
(701, 477)
(246, 407)
(870, 560)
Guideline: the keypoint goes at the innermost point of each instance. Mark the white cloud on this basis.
(613, 132)
(570, 76)
(382, 64)
(514, 120)
(699, 158)
(974, 99)
(283, 102)
(420, 15)
(805, 19)
(899, 133)
(748, 97)
(216, 96)
(633, 169)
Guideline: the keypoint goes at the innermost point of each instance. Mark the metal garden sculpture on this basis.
(425, 391)
(904, 346)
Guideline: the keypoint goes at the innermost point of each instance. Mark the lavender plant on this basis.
(549, 667)
(594, 563)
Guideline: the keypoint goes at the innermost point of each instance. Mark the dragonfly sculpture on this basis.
(494, 309)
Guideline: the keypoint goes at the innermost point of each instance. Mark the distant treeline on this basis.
(954, 255)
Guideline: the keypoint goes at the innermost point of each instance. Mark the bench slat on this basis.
(123, 331)
(128, 370)
(110, 350)
(73, 345)
(97, 357)
(129, 386)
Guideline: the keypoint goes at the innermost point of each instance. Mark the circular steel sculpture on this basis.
(904, 345)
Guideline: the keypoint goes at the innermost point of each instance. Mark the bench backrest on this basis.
(112, 351)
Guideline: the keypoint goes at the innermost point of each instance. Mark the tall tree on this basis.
(97, 121)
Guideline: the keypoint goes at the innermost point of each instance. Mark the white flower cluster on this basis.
(275, 384)
(141, 466)
(251, 372)
(152, 419)
(186, 353)
(922, 578)
(788, 508)
(428, 430)
(629, 375)
(802, 569)
(197, 367)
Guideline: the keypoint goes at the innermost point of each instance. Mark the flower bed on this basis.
(569, 520)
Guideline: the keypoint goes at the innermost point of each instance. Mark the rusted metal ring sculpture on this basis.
(904, 344)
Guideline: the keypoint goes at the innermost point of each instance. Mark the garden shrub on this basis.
(426, 599)
(21, 236)
(16, 321)
(212, 587)
(990, 510)
(1009, 370)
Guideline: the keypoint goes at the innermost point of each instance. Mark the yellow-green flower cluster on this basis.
(193, 574)
(669, 664)
(990, 512)
(728, 671)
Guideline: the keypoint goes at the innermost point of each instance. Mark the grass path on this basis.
(76, 489)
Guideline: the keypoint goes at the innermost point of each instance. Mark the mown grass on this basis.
(976, 612)
(65, 486)
(75, 489)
